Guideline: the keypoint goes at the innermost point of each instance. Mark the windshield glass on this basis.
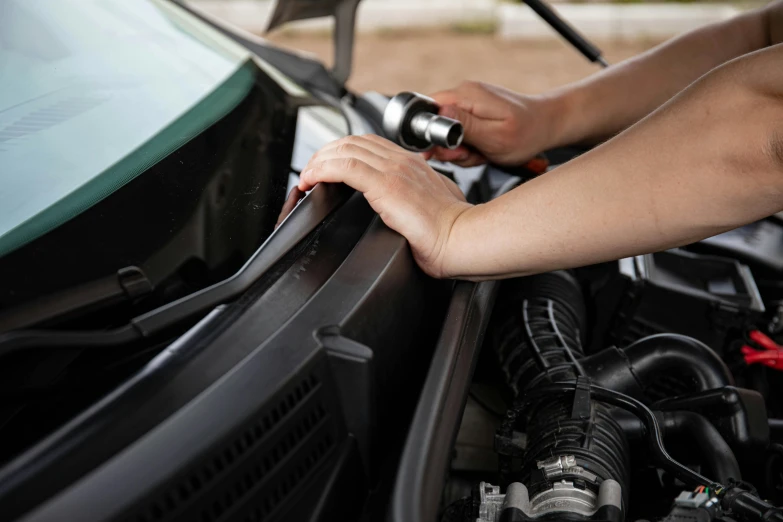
(86, 86)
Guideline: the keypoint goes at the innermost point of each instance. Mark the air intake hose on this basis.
(634, 368)
(574, 445)
(575, 465)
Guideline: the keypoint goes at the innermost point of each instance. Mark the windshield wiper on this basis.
(306, 217)
(126, 285)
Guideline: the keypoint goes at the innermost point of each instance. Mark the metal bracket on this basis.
(344, 31)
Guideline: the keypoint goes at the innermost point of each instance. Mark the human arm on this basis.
(709, 160)
(508, 128)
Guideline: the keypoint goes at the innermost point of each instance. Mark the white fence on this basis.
(512, 20)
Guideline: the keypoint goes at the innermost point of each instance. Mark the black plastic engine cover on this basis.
(704, 297)
(288, 404)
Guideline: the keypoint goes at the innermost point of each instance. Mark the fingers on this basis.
(349, 170)
(373, 155)
(462, 156)
(371, 142)
(347, 160)
(464, 96)
(290, 203)
(470, 123)
(474, 159)
(449, 97)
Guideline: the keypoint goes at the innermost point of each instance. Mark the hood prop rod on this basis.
(567, 31)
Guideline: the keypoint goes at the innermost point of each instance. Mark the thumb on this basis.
(469, 122)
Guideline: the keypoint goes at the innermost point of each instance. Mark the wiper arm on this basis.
(306, 217)
(126, 285)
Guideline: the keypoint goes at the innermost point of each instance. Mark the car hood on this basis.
(292, 10)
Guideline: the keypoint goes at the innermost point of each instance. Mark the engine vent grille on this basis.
(268, 457)
(289, 483)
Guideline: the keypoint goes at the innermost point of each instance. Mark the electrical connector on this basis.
(694, 506)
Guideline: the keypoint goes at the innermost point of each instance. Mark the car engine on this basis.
(644, 389)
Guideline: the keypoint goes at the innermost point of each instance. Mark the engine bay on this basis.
(644, 389)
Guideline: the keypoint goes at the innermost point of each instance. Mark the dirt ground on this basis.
(427, 62)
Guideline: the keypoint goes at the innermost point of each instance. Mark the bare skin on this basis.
(708, 160)
(508, 128)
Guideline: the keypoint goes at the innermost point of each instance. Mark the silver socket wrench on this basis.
(412, 121)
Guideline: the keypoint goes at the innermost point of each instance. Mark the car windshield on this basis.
(86, 86)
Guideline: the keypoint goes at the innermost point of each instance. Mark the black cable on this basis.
(734, 497)
(776, 425)
(716, 454)
(685, 474)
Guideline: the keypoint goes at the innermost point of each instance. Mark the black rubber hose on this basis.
(744, 503)
(598, 443)
(638, 408)
(537, 330)
(539, 324)
(750, 506)
(776, 426)
(716, 455)
(656, 355)
(714, 452)
(633, 370)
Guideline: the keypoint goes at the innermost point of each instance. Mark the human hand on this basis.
(289, 205)
(409, 196)
(501, 126)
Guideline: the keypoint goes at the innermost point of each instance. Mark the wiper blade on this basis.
(306, 217)
(126, 285)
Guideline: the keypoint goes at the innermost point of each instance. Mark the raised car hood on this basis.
(344, 12)
(292, 10)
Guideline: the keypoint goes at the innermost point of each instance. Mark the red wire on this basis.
(772, 356)
(764, 341)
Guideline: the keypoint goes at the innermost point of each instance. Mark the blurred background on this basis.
(428, 45)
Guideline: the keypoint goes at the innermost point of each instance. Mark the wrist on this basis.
(563, 110)
(454, 263)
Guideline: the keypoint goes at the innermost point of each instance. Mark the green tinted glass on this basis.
(93, 93)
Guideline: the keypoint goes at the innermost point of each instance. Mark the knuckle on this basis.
(471, 85)
(351, 163)
(508, 127)
(310, 174)
(443, 95)
(370, 137)
(387, 164)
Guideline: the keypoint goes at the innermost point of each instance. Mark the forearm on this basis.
(604, 104)
(708, 161)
